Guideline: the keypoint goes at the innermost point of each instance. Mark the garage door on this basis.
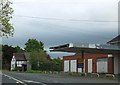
(102, 65)
(66, 66)
(89, 65)
(73, 66)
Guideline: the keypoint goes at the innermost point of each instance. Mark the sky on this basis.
(56, 22)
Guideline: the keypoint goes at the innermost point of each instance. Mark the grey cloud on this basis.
(65, 29)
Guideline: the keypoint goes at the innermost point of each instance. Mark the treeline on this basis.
(39, 58)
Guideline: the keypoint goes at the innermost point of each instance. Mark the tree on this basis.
(38, 55)
(38, 60)
(34, 45)
(7, 56)
(57, 64)
(18, 49)
(6, 28)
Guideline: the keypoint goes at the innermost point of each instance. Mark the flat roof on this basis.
(87, 48)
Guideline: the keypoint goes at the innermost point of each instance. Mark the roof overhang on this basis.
(86, 48)
(115, 40)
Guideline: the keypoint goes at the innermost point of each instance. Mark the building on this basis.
(20, 61)
(91, 58)
(92, 63)
(116, 41)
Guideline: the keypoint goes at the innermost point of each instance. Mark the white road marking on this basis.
(17, 82)
(14, 79)
(29, 81)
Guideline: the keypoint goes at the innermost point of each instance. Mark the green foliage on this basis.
(7, 56)
(7, 53)
(47, 65)
(18, 49)
(57, 60)
(38, 55)
(34, 45)
(58, 64)
(6, 12)
(37, 58)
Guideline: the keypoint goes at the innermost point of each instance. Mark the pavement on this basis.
(11, 78)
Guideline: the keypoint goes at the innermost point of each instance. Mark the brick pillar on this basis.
(111, 65)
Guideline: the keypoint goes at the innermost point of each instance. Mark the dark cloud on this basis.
(60, 22)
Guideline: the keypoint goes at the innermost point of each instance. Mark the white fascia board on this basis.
(92, 46)
(110, 55)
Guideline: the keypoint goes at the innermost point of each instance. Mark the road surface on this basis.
(50, 79)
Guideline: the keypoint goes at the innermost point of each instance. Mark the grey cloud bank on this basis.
(63, 21)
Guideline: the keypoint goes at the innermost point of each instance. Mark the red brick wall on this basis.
(111, 65)
(94, 58)
(94, 61)
(73, 57)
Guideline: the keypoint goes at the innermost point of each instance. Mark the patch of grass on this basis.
(4, 70)
(33, 71)
(44, 72)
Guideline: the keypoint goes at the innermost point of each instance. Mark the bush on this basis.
(46, 66)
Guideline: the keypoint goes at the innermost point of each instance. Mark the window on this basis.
(19, 64)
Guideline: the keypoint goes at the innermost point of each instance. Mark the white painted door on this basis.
(73, 66)
(66, 66)
(89, 65)
(102, 65)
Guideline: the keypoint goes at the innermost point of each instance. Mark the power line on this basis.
(60, 19)
(34, 17)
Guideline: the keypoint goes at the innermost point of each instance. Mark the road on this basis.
(50, 79)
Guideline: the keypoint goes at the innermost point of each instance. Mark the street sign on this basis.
(80, 65)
